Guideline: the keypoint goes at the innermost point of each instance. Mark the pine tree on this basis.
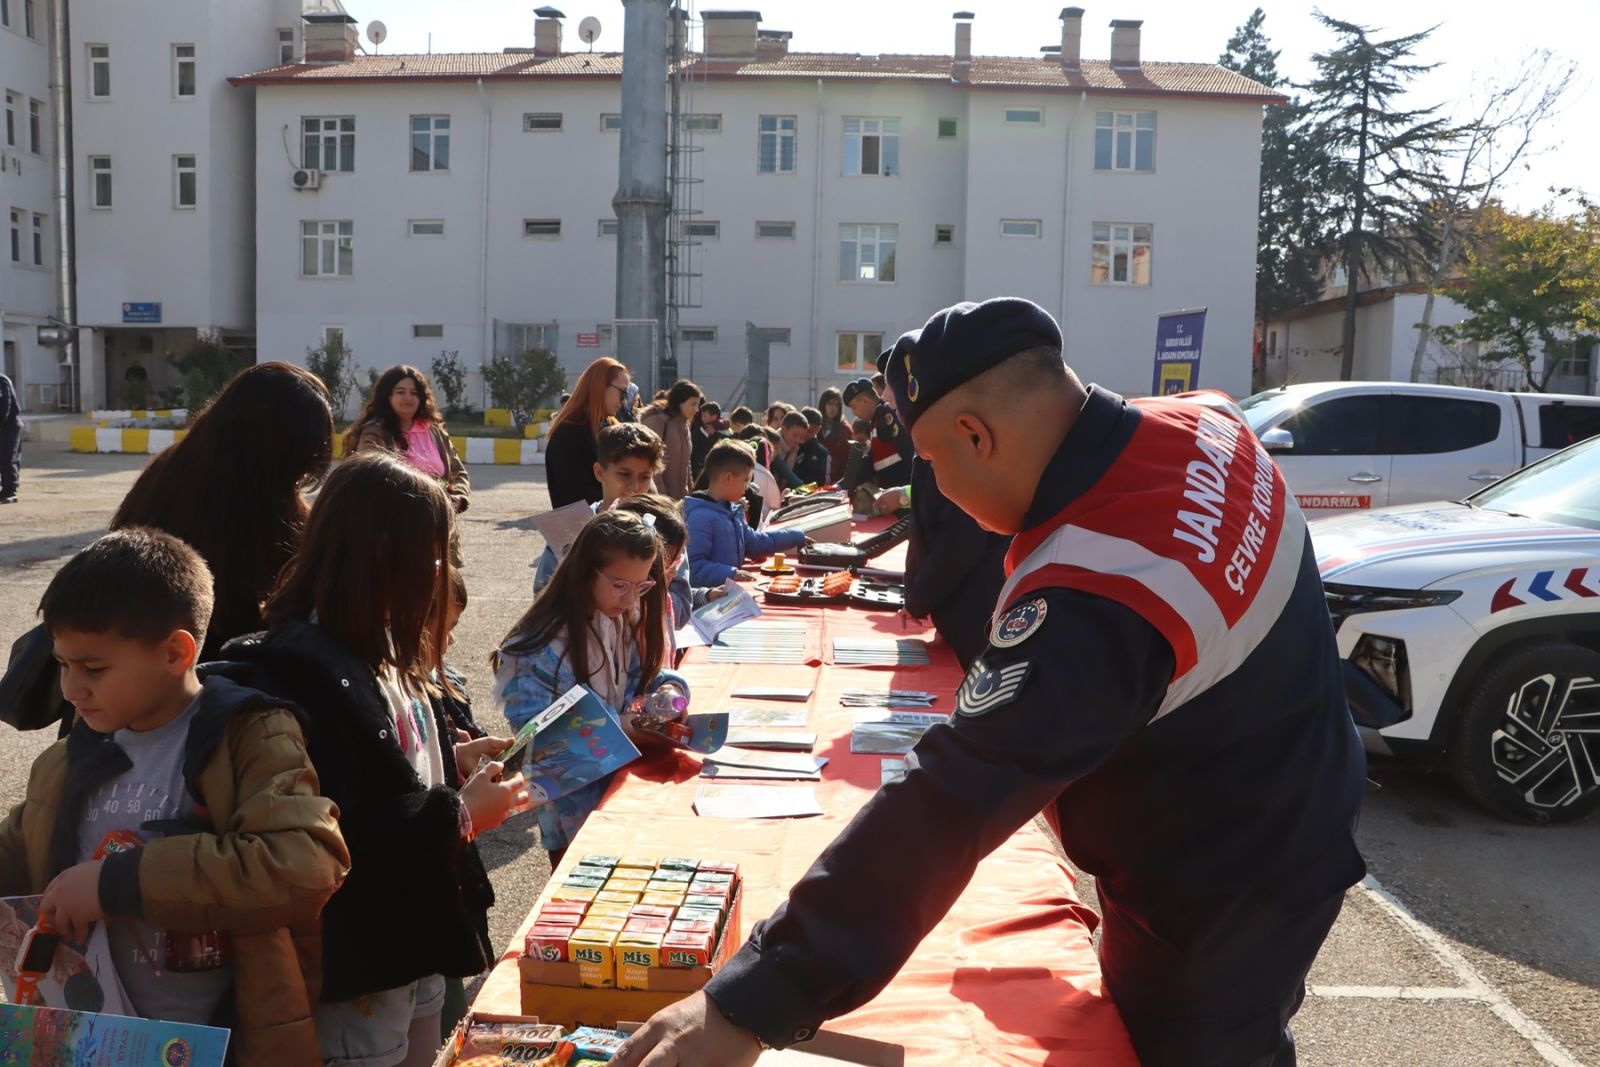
(1387, 160)
(1292, 241)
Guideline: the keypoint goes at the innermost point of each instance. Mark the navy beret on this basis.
(857, 388)
(901, 347)
(960, 343)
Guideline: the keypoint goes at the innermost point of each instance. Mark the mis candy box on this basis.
(652, 911)
(549, 943)
(595, 953)
(686, 950)
(637, 953)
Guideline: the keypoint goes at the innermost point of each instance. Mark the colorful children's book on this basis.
(82, 976)
(55, 1037)
(575, 741)
(709, 620)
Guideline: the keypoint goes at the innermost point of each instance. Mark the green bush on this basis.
(335, 364)
(450, 382)
(206, 366)
(526, 382)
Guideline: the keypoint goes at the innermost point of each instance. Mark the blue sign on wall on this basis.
(141, 313)
(1178, 338)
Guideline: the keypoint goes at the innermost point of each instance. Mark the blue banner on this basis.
(1178, 339)
(150, 313)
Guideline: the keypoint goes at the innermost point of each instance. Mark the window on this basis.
(1025, 116)
(430, 142)
(1342, 426)
(425, 332)
(703, 123)
(778, 335)
(99, 71)
(702, 229)
(36, 127)
(872, 146)
(608, 227)
(1021, 228)
(944, 235)
(1125, 140)
(1562, 424)
(775, 153)
(5, 13)
(857, 351)
(38, 240)
(13, 101)
(948, 129)
(183, 71)
(866, 253)
(329, 142)
(327, 249)
(609, 123)
(1121, 254)
(27, 17)
(100, 182)
(425, 227)
(285, 47)
(547, 122)
(697, 335)
(185, 193)
(546, 228)
(775, 229)
(333, 335)
(1425, 425)
(16, 236)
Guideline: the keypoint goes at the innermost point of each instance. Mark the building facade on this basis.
(419, 204)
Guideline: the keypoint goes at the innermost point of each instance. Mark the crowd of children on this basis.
(300, 864)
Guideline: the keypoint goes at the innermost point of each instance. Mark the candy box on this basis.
(549, 942)
(595, 953)
(647, 924)
(596, 1043)
(585, 883)
(686, 950)
(637, 953)
(551, 907)
(560, 918)
(640, 863)
(571, 893)
(662, 900)
(708, 914)
(721, 877)
(486, 1040)
(720, 867)
(599, 861)
(680, 864)
(616, 911)
(614, 923)
(684, 877)
(694, 926)
(611, 896)
(711, 903)
(652, 911)
(619, 884)
(583, 871)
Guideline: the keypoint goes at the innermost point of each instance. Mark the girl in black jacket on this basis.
(356, 639)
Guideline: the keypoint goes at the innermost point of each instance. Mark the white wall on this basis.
(1201, 201)
(28, 292)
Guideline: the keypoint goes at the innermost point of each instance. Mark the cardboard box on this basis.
(594, 958)
(638, 953)
(453, 1047)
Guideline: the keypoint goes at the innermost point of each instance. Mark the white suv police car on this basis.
(1471, 633)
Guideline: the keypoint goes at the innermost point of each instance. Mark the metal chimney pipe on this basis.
(962, 69)
(642, 199)
(1072, 38)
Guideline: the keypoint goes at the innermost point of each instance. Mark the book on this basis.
(82, 976)
(778, 740)
(575, 741)
(794, 762)
(799, 696)
(560, 527)
(890, 733)
(55, 1037)
(771, 717)
(709, 620)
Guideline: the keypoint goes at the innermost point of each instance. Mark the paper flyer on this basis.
(53, 1037)
(82, 977)
(756, 802)
(560, 527)
(709, 620)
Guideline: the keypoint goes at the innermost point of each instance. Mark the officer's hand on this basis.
(690, 1033)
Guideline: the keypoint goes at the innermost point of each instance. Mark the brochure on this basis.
(55, 1037)
(82, 976)
(575, 741)
(756, 801)
(560, 527)
(709, 620)
(890, 733)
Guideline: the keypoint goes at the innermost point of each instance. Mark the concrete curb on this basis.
(476, 451)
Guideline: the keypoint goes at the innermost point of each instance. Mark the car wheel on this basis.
(1527, 744)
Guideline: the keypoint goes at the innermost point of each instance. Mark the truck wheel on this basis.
(1527, 744)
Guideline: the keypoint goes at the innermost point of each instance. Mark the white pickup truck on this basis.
(1353, 446)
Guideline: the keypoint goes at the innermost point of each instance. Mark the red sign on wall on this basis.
(588, 340)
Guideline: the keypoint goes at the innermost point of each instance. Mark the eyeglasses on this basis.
(622, 390)
(624, 588)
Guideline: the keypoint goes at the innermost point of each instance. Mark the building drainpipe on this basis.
(66, 234)
(816, 244)
(485, 325)
(1066, 212)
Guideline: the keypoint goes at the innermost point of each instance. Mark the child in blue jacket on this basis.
(720, 539)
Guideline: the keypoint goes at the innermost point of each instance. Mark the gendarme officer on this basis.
(891, 447)
(1161, 671)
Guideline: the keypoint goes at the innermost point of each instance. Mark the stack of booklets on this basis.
(772, 729)
(766, 642)
(890, 733)
(730, 762)
(880, 652)
(712, 618)
(886, 698)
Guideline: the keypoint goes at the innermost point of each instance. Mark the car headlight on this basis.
(1347, 600)
(1383, 659)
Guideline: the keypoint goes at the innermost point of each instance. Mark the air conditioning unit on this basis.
(305, 179)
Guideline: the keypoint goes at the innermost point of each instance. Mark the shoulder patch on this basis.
(1019, 624)
(889, 425)
(985, 689)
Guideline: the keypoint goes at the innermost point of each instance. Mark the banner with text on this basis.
(1178, 338)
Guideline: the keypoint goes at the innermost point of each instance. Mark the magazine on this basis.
(709, 620)
(575, 741)
(561, 527)
(82, 976)
(55, 1037)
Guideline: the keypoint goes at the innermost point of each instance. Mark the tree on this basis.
(1387, 160)
(1507, 113)
(335, 364)
(207, 365)
(526, 382)
(1291, 237)
(1534, 290)
(450, 378)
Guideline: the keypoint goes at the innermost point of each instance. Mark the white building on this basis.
(463, 202)
(28, 294)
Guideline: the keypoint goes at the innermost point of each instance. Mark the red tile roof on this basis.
(986, 72)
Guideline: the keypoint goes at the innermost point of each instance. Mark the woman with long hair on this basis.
(671, 418)
(235, 487)
(835, 432)
(400, 417)
(570, 449)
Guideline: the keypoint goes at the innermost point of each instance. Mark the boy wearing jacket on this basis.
(720, 539)
(183, 814)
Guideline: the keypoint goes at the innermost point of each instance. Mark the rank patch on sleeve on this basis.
(1019, 624)
(985, 689)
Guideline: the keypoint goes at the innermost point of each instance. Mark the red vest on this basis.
(1191, 527)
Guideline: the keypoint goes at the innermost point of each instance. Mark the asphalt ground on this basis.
(1475, 941)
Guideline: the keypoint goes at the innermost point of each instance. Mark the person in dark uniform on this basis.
(954, 568)
(1162, 673)
(10, 441)
(891, 447)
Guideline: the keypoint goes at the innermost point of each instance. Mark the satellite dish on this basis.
(589, 31)
(377, 32)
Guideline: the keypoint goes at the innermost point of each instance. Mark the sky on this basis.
(1475, 40)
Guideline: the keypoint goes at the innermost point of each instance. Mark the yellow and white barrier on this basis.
(505, 451)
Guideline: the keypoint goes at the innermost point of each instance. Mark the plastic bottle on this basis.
(669, 702)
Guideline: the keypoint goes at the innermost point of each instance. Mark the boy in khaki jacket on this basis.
(183, 814)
